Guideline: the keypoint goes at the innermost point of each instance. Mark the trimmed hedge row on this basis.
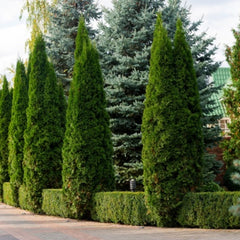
(53, 203)
(209, 210)
(8, 194)
(116, 207)
(23, 203)
(121, 207)
(204, 210)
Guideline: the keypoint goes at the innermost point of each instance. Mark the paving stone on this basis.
(7, 237)
(53, 235)
(17, 224)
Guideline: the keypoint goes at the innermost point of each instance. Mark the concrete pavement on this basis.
(17, 224)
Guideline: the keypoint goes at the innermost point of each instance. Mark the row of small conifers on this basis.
(204, 210)
(81, 163)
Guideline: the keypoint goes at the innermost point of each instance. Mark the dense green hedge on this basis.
(22, 194)
(120, 207)
(209, 210)
(116, 207)
(204, 210)
(53, 203)
(8, 194)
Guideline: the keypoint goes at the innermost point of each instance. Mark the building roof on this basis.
(221, 78)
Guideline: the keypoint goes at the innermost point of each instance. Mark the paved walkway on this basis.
(17, 224)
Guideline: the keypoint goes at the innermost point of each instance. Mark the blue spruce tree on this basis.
(124, 45)
(62, 32)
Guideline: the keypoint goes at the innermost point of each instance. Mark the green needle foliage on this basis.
(43, 135)
(231, 101)
(54, 107)
(87, 148)
(62, 109)
(16, 129)
(203, 50)
(171, 164)
(190, 173)
(62, 32)
(159, 130)
(124, 43)
(5, 117)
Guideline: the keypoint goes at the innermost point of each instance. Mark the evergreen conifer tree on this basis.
(43, 134)
(54, 107)
(5, 117)
(231, 101)
(16, 129)
(124, 44)
(190, 170)
(87, 148)
(160, 130)
(62, 32)
(171, 129)
(203, 50)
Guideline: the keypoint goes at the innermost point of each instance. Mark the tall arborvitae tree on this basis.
(16, 129)
(203, 50)
(124, 44)
(231, 101)
(160, 131)
(87, 148)
(190, 169)
(54, 107)
(5, 117)
(62, 32)
(172, 133)
(43, 135)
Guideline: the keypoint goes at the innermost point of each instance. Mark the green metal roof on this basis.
(221, 78)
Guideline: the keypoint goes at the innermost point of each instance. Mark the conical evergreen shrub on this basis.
(159, 130)
(192, 151)
(171, 157)
(5, 117)
(43, 136)
(16, 129)
(87, 149)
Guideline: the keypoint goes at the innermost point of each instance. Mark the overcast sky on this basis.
(219, 17)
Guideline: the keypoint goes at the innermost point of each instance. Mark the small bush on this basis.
(23, 203)
(53, 203)
(121, 207)
(8, 194)
(209, 210)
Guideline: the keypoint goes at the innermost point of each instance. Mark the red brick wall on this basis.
(219, 156)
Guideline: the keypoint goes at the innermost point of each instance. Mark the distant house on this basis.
(221, 78)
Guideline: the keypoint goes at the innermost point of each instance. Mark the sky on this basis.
(219, 17)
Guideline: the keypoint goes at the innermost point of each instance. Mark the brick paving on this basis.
(17, 224)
